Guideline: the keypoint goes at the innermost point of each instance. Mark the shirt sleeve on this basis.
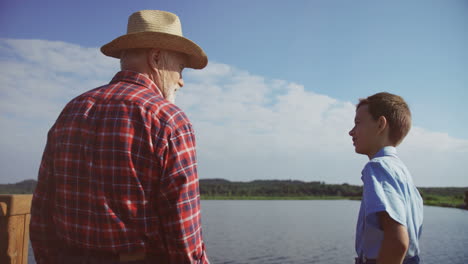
(382, 194)
(41, 228)
(179, 202)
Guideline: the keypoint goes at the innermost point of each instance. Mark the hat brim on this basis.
(197, 58)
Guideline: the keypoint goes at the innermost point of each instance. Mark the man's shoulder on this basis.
(145, 98)
(122, 91)
(171, 114)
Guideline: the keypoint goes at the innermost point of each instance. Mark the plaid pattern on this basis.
(119, 174)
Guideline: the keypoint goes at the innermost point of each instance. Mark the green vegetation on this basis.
(276, 188)
(204, 197)
(445, 197)
(444, 201)
(220, 189)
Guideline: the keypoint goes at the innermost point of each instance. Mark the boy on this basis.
(391, 214)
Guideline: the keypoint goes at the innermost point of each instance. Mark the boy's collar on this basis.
(386, 151)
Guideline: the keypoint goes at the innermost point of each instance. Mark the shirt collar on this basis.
(136, 78)
(386, 151)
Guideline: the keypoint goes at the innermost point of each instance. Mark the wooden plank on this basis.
(14, 228)
(27, 219)
(14, 247)
(3, 208)
(16, 204)
(4, 240)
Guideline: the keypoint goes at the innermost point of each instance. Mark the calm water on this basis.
(313, 232)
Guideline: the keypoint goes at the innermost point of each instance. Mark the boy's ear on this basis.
(382, 122)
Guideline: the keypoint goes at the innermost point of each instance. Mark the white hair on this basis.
(135, 60)
(132, 59)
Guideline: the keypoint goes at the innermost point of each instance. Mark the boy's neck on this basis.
(380, 147)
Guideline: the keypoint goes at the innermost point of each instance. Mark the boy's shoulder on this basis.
(384, 163)
(387, 159)
(387, 170)
(377, 168)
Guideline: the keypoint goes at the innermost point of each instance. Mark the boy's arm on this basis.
(395, 242)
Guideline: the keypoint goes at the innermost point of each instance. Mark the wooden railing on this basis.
(14, 228)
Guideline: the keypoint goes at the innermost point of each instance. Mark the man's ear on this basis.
(382, 122)
(153, 58)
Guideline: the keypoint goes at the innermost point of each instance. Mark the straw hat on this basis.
(156, 29)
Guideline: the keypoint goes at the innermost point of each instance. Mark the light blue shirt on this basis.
(388, 187)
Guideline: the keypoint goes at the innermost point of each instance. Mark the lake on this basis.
(314, 231)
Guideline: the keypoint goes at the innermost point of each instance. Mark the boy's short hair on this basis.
(394, 109)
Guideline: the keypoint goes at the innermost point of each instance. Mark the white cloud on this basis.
(248, 127)
(274, 129)
(38, 77)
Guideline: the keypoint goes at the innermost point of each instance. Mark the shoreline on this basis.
(225, 197)
(454, 203)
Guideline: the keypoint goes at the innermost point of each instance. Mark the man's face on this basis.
(171, 75)
(364, 132)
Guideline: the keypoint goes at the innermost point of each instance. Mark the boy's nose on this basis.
(351, 132)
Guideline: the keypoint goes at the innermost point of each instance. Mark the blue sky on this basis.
(282, 79)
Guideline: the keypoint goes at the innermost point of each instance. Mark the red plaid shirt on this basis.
(119, 174)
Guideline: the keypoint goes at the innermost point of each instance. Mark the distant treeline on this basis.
(276, 188)
(24, 187)
(214, 188)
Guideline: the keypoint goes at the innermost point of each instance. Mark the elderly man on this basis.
(118, 179)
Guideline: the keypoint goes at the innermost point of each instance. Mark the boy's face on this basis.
(365, 132)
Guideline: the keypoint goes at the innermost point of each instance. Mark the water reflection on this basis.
(313, 232)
